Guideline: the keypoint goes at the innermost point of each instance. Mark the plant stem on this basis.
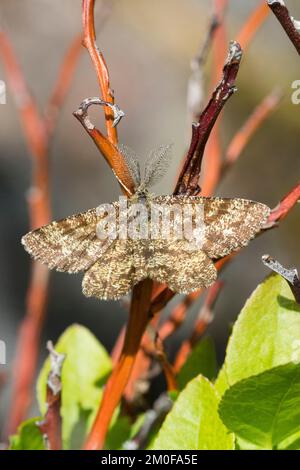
(137, 324)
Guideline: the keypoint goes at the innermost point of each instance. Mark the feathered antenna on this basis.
(132, 162)
(157, 164)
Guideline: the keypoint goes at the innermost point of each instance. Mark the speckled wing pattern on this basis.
(70, 245)
(112, 275)
(113, 267)
(173, 263)
(230, 223)
(115, 273)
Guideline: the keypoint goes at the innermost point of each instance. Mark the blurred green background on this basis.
(148, 47)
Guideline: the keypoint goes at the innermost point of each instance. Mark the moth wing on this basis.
(229, 223)
(182, 269)
(69, 245)
(113, 275)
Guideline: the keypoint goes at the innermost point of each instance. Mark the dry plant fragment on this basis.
(290, 275)
(152, 419)
(51, 426)
(82, 111)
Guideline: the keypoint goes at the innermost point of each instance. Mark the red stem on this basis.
(137, 323)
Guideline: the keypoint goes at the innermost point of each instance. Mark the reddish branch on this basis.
(220, 41)
(137, 323)
(255, 20)
(63, 84)
(213, 163)
(136, 382)
(253, 123)
(110, 152)
(204, 318)
(287, 22)
(51, 426)
(178, 315)
(284, 207)
(166, 366)
(37, 130)
(89, 41)
(189, 177)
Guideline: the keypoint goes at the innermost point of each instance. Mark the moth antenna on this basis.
(132, 162)
(157, 164)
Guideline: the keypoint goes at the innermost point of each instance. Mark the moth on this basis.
(113, 266)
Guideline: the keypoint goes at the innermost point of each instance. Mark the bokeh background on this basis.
(148, 47)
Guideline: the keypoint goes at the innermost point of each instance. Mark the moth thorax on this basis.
(142, 194)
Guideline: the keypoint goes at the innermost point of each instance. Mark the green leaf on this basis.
(118, 433)
(264, 409)
(221, 383)
(85, 370)
(28, 437)
(267, 332)
(202, 360)
(291, 443)
(194, 423)
(122, 430)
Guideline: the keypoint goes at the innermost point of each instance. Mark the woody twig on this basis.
(168, 369)
(189, 177)
(289, 24)
(241, 139)
(253, 23)
(51, 426)
(203, 320)
(290, 275)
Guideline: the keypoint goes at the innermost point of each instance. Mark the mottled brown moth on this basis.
(113, 266)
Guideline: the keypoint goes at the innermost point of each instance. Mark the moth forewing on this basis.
(69, 245)
(230, 224)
